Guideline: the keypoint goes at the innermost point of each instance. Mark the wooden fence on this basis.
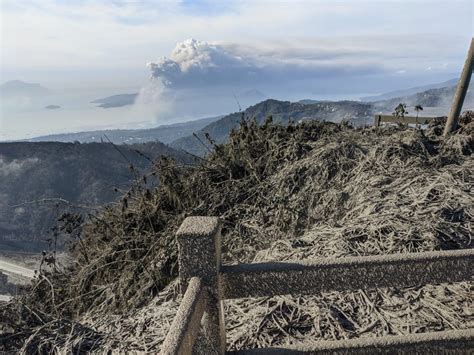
(379, 119)
(205, 284)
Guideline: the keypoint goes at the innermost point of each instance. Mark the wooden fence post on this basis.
(461, 90)
(199, 247)
(377, 119)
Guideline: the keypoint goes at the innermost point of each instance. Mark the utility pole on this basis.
(461, 90)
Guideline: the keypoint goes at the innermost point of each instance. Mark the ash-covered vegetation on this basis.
(358, 113)
(301, 190)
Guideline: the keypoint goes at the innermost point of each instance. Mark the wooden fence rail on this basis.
(451, 342)
(350, 273)
(205, 283)
(379, 119)
(187, 322)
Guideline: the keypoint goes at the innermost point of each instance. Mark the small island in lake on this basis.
(52, 107)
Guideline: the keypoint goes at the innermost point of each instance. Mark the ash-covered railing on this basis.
(205, 284)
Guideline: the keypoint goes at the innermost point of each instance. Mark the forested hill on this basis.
(84, 174)
(281, 112)
(358, 113)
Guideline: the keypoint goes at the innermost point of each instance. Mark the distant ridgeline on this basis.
(355, 112)
(84, 174)
(164, 133)
(181, 135)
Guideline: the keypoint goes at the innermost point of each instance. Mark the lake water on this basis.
(26, 118)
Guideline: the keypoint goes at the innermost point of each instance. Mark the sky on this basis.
(282, 49)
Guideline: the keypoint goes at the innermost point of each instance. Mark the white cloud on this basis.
(198, 63)
(194, 63)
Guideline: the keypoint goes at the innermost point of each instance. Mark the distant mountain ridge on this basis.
(15, 88)
(357, 112)
(116, 100)
(438, 97)
(410, 91)
(281, 112)
(181, 136)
